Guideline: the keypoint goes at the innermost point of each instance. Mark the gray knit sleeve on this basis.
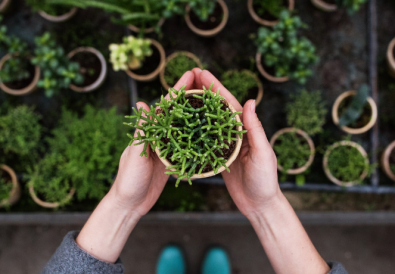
(337, 268)
(70, 258)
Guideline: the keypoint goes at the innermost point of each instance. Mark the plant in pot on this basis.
(142, 59)
(10, 190)
(195, 133)
(388, 161)
(267, 12)
(351, 6)
(293, 146)
(176, 65)
(206, 17)
(354, 111)
(53, 10)
(93, 141)
(282, 53)
(391, 58)
(244, 85)
(57, 70)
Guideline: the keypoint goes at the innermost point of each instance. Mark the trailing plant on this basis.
(239, 83)
(5, 188)
(283, 49)
(351, 6)
(57, 70)
(202, 8)
(307, 112)
(191, 138)
(355, 109)
(130, 54)
(273, 7)
(48, 7)
(176, 67)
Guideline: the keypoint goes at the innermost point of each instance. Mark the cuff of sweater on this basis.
(70, 258)
(336, 268)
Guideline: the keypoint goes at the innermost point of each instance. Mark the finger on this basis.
(187, 79)
(198, 82)
(207, 79)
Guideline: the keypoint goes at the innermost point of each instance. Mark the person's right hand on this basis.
(252, 181)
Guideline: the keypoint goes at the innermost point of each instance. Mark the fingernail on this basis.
(253, 107)
(138, 106)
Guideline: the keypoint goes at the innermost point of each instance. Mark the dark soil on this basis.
(330, 1)
(212, 22)
(150, 63)
(90, 67)
(393, 52)
(252, 94)
(5, 176)
(20, 84)
(266, 15)
(365, 117)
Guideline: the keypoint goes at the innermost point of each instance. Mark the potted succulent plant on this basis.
(282, 54)
(92, 66)
(388, 161)
(196, 133)
(142, 59)
(244, 85)
(351, 6)
(176, 65)
(206, 17)
(391, 57)
(54, 12)
(267, 12)
(354, 111)
(346, 163)
(18, 76)
(10, 190)
(4, 4)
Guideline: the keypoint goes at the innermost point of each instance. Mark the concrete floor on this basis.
(362, 249)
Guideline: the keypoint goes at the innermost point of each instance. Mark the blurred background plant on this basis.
(351, 6)
(239, 83)
(49, 7)
(202, 8)
(5, 188)
(176, 67)
(352, 112)
(272, 7)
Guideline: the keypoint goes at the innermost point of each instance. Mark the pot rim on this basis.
(154, 74)
(48, 204)
(103, 73)
(322, 5)
(261, 69)
(15, 192)
(211, 32)
(328, 173)
(4, 5)
(171, 57)
(391, 57)
(147, 30)
(26, 90)
(309, 141)
(335, 114)
(385, 161)
(59, 18)
(259, 20)
(231, 158)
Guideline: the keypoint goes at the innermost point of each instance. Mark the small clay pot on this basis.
(308, 140)
(211, 32)
(30, 88)
(335, 113)
(103, 73)
(155, 73)
(172, 56)
(146, 30)
(60, 18)
(391, 58)
(385, 161)
(4, 5)
(261, 69)
(328, 172)
(231, 158)
(15, 193)
(324, 6)
(47, 204)
(259, 20)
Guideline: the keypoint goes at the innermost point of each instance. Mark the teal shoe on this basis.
(216, 262)
(171, 261)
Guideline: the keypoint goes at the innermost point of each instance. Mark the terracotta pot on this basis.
(47, 204)
(322, 5)
(30, 88)
(231, 158)
(103, 73)
(259, 65)
(60, 18)
(328, 172)
(211, 32)
(171, 57)
(146, 30)
(4, 5)
(309, 141)
(259, 20)
(335, 113)
(15, 193)
(391, 58)
(154, 74)
(385, 161)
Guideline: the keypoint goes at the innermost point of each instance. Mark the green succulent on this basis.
(239, 83)
(176, 67)
(202, 8)
(351, 6)
(355, 109)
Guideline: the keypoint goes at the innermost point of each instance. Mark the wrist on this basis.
(123, 206)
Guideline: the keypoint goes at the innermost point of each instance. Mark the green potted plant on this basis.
(391, 57)
(10, 189)
(388, 161)
(282, 53)
(142, 59)
(57, 70)
(206, 17)
(176, 65)
(53, 10)
(93, 141)
(267, 12)
(351, 6)
(354, 111)
(195, 133)
(244, 85)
